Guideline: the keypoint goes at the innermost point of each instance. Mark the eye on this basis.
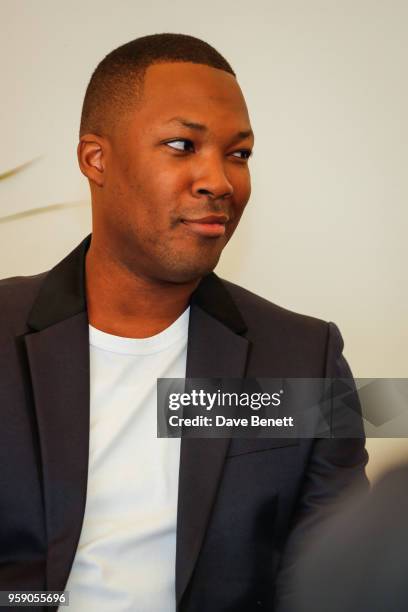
(181, 144)
(243, 154)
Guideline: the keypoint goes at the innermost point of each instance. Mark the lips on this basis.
(220, 219)
(212, 226)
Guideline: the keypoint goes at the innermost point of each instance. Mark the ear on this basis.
(91, 152)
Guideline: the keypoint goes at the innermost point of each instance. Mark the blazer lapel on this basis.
(58, 357)
(59, 363)
(215, 349)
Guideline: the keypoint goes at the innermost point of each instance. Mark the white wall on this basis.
(326, 85)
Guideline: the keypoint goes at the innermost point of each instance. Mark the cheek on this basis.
(171, 180)
(242, 188)
(154, 199)
(242, 192)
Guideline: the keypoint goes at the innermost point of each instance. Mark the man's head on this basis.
(165, 137)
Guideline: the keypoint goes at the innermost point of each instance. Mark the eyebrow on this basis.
(200, 127)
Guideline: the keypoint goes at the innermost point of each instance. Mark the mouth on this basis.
(212, 226)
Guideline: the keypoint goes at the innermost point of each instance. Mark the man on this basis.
(91, 500)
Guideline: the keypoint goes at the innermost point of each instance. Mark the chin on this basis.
(189, 271)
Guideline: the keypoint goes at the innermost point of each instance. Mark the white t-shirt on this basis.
(125, 559)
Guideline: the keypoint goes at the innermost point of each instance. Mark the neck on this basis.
(123, 304)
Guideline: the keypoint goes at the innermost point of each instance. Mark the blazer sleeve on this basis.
(334, 471)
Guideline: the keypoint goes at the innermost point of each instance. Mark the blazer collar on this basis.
(62, 295)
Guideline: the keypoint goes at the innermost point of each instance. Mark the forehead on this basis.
(198, 91)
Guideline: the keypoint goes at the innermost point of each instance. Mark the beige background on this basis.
(326, 85)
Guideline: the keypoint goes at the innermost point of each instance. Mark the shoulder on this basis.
(17, 295)
(297, 344)
(258, 312)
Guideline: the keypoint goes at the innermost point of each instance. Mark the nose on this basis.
(212, 180)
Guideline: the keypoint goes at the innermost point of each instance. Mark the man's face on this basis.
(176, 176)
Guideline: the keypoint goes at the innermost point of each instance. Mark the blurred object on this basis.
(33, 242)
(17, 169)
(359, 563)
(385, 454)
(39, 210)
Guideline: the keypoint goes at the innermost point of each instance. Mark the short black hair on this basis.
(117, 82)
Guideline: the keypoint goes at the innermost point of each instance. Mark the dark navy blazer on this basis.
(242, 502)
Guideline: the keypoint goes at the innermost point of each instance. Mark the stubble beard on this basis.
(167, 262)
(185, 265)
